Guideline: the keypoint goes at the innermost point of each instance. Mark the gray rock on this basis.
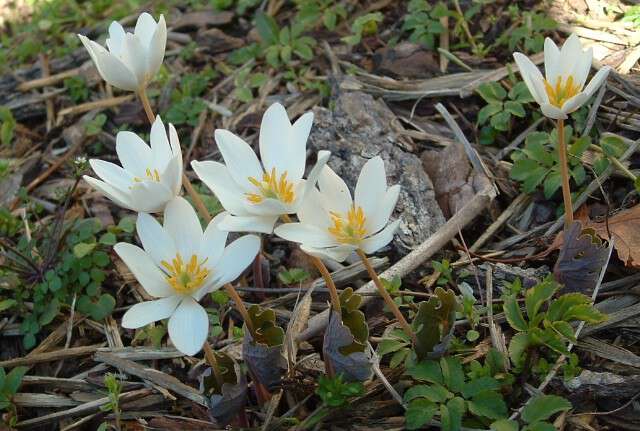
(361, 127)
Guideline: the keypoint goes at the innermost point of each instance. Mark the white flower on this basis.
(149, 177)
(133, 59)
(566, 70)
(256, 194)
(334, 225)
(179, 265)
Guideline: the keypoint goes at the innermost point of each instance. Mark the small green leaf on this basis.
(451, 414)
(452, 373)
(398, 357)
(387, 346)
(513, 314)
(5, 305)
(501, 121)
(108, 238)
(517, 346)
(419, 413)
(551, 183)
(585, 312)
(82, 249)
(538, 295)
(613, 145)
(13, 379)
(267, 28)
(579, 146)
(482, 384)
(427, 371)
(488, 404)
(515, 108)
(543, 407)
(505, 425)
(488, 111)
(435, 393)
(492, 92)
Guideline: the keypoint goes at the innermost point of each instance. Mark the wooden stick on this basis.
(387, 298)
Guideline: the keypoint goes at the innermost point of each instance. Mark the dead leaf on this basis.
(226, 403)
(354, 366)
(625, 229)
(581, 259)
(298, 321)
(433, 324)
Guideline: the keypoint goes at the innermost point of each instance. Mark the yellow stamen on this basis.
(562, 92)
(185, 278)
(150, 175)
(349, 229)
(272, 187)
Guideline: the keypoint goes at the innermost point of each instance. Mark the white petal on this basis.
(262, 224)
(134, 56)
(111, 173)
(312, 179)
(335, 191)
(116, 195)
(268, 207)
(313, 212)
(309, 235)
(298, 144)
(379, 240)
(150, 311)
(156, 48)
(160, 147)
(143, 268)
(182, 224)
(115, 42)
(176, 150)
(239, 158)
(145, 28)
(236, 257)
(597, 80)
(150, 196)
(213, 241)
(574, 103)
(339, 254)
(89, 47)
(189, 326)
(275, 141)
(171, 177)
(371, 185)
(115, 72)
(379, 218)
(134, 154)
(582, 67)
(553, 112)
(570, 54)
(551, 59)
(532, 77)
(155, 240)
(217, 177)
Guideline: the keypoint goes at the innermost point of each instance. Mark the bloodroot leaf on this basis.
(227, 402)
(582, 257)
(433, 324)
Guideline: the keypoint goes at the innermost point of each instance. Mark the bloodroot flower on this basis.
(179, 265)
(562, 90)
(334, 225)
(132, 59)
(257, 194)
(149, 177)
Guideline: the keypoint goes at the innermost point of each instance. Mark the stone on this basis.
(361, 127)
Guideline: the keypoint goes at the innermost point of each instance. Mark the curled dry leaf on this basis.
(263, 355)
(582, 257)
(625, 230)
(433, 324)
(298, 321)
(345, 340)
(225, 403)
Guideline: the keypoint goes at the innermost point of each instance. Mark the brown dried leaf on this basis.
(225, 403)
(625, 229)
(355, 365)
(298, 321)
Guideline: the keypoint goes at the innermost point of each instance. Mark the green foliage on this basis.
(536, 414)
(267, 332)
(501, 107)
(114, 388)
(153, 333)
(335, 392)
(279, 45)
(445, 270)
(548, 322)
(241, 6)
(94, 127)
(364, 25)
(7, 125)
(293, 276)
(246, 82)
(632, 15)
(422, 21)
(312, 12)
(529, 35)
(537, 163)
(9, 385)
(611, 146)
(77, 88)
(9, 224)
(186, 103)
(433, 323)
(471, 397)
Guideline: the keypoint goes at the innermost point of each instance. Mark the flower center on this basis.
(273, 187)
(150, 176)
(349, 229)
(185, 278)
(562, 91)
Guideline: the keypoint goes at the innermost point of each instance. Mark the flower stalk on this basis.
(387, 298)
(233, 293)
(211, 359)
(564, 172)
(142, 94)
